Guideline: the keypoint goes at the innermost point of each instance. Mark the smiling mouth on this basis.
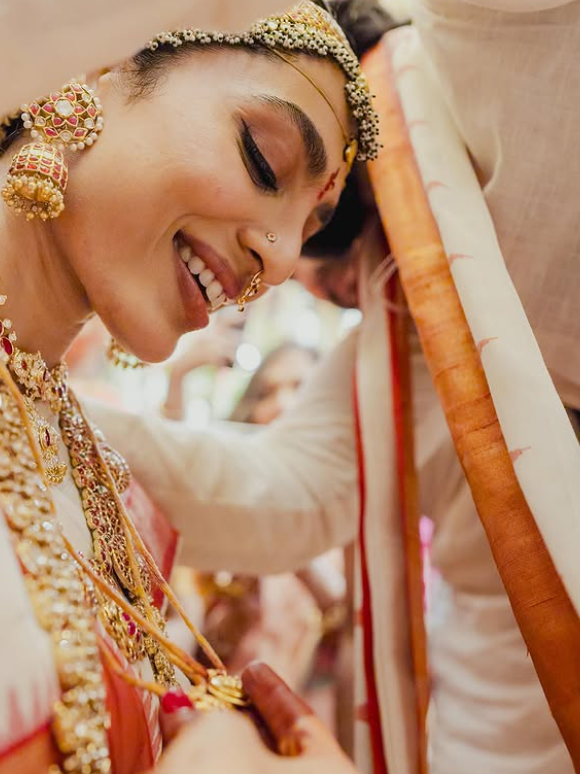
(208, 284)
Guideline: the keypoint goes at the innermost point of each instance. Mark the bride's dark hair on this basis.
(364, 22)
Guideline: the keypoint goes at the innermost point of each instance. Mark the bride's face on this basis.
(229, 147)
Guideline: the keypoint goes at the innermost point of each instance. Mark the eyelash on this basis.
(260, 171)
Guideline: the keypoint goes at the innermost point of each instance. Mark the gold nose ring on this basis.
(250, 291)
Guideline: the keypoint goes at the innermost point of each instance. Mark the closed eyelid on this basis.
(314, 147)
(254, 157)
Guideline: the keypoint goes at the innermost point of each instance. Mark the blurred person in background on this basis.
(293, 622)
(302, 615)
(215, 346)
(273, 386)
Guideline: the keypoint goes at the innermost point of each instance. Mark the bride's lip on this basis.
(194, 304)
(224, 273)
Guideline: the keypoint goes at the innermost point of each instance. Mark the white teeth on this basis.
(185, 252)
(219, 302)
(213, 287)
(214, 290)
(206, 277)
(196, 265)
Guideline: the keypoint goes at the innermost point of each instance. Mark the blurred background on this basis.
(219, 361)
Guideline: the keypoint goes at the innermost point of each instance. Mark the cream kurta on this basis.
(272, 501)
(261, 503)
(512, 82)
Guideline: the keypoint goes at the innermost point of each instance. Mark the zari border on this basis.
(374, 713)
(398, 324)
(393, 637)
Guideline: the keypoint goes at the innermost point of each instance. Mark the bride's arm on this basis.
(43, 43)
(265, 502)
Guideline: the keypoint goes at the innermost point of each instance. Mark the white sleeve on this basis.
(43, 43)
(261, 503)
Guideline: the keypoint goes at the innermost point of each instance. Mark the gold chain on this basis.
(62, 597)
(102, 509)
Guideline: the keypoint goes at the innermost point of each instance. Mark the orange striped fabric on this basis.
(543, 610)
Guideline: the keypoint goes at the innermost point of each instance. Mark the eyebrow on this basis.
(316, 157)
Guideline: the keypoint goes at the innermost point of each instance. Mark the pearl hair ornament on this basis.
(305, 28)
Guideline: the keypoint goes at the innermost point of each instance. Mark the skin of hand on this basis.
(198, 740)
(216, 346)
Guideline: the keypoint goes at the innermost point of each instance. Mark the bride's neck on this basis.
(45, 300)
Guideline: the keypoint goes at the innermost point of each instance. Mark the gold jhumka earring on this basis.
(38, 176)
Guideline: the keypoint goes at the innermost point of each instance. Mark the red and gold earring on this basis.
(69, 119)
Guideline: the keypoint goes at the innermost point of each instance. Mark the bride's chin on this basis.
(152, 351)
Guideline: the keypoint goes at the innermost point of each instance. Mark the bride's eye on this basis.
(260, 171)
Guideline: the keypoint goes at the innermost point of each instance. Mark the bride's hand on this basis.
(226, 741)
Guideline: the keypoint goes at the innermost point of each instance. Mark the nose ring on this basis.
(250, 291)
(271, 237)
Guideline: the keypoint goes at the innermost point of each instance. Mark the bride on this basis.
(198, 167)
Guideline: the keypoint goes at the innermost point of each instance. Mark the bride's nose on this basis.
(277, 250)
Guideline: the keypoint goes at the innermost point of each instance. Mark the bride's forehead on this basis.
(305, 29)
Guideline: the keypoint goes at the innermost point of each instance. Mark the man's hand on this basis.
(227, 741)
(216, 345)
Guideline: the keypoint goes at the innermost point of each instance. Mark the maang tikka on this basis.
(68, 119)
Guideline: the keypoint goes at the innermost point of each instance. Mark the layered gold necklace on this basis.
(68, 590)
